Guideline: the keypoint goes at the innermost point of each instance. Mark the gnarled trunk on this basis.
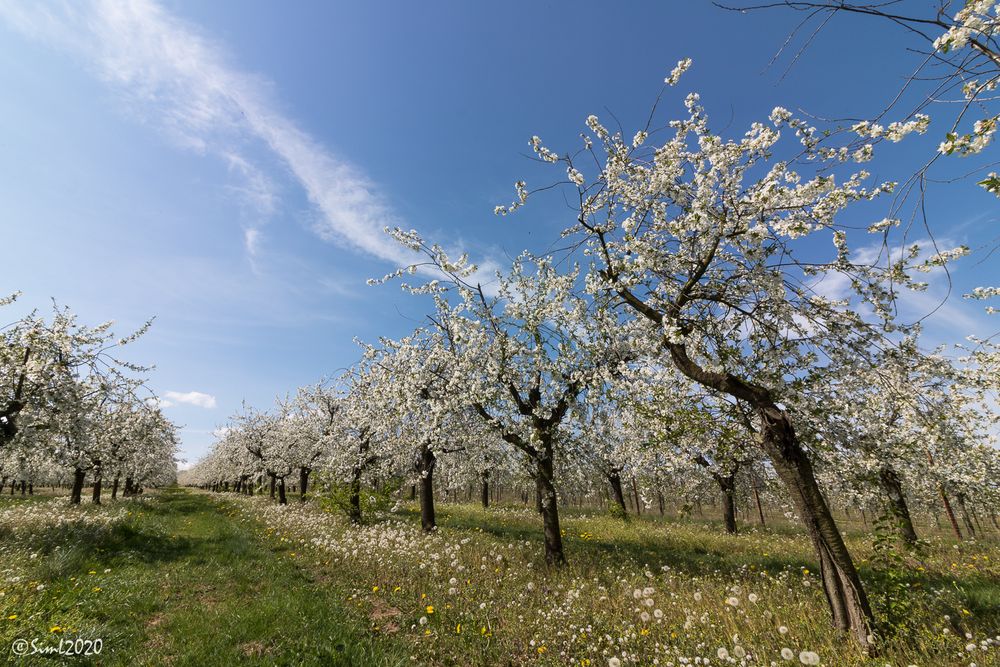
(282, 499)
(845, 593)
(893, 488)
(484, 491)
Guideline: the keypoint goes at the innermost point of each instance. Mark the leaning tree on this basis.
(713, 243)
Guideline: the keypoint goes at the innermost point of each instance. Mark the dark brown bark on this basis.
(950, 512)
(485, 489)
(24, 486)
(273, 482)
(635, 494)
(728, 487)
(282, 498)
(303, 482)
(77, 492)
(425, 468)
(114, 487)
(96, 495)
(354, 501)
(845, 593)
(544, 474)
(617, 493)
(893, 488)
(849, 606)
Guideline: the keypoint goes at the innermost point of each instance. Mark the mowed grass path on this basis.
(186, 585)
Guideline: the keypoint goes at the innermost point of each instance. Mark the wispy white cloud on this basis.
(169, 74)
(195, 398)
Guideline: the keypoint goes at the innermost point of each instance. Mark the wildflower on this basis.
(55, 628)
(787, 653)
(430, 609)
(752, 597)
(733, 602)
(614, 662)
(423, 620)
(723, 653)
(808, 658)
(783, 630)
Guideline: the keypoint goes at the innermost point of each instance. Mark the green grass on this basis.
(187, 586)
(219, 579)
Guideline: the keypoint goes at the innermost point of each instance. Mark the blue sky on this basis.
(228, 166)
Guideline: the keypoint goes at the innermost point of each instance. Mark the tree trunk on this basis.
(950, 512)
(845, 593)
(425, 467)
(78, 477)
(635, 493)
(485, 490)
(538, 496)
(617, 493)
(303, 482)
(544, 476)
(274, 483)
(24, 486)
(728, 487)
(114, 487)
(897, 505)
(282, 499)
(96, 496)
(756, 498)
(354, 502)
(969, 528)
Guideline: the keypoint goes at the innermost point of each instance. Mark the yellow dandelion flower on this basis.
(12, 617)
(374, 589)
(458, 629)
(430, 609)
(55, 628)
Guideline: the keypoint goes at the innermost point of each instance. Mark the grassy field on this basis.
(191, 578)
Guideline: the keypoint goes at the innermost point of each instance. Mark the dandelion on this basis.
(787, 653)
(752, 597)
(733, 602)
(808, 658)
(783, 630)
(423, 620)
(723, 653)
(430, 609)
(614, 662)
